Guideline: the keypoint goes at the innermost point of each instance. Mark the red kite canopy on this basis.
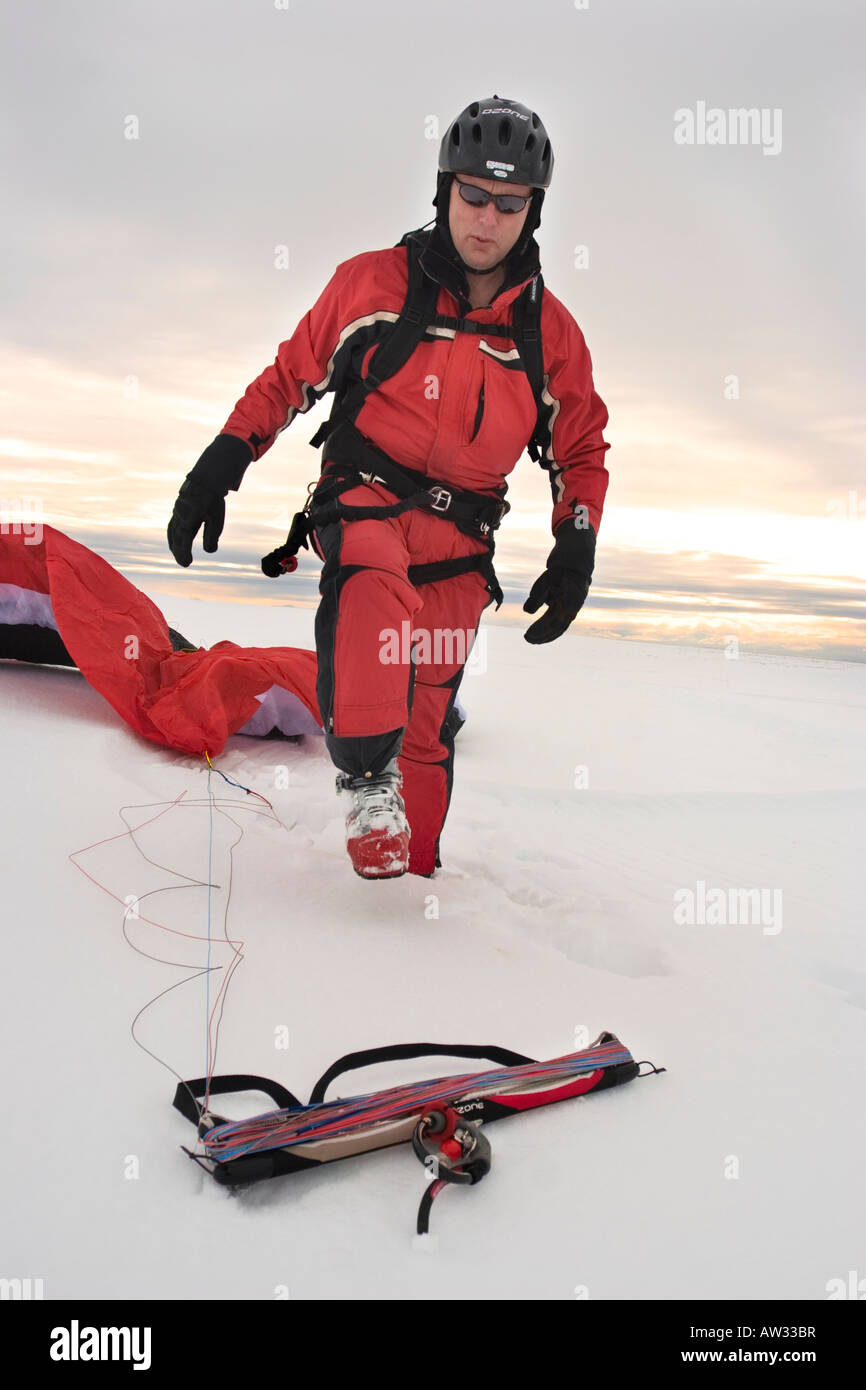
(62, 603)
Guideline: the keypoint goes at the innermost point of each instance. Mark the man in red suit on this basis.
(415, 458)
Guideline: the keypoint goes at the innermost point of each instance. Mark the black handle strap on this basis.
(299, 531)
(400, 1052)
(188, 1093)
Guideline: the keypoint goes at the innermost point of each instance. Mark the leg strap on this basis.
(461, 564)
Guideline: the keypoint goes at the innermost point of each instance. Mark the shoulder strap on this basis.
(395, 349)
(527, 333)
(419, 310)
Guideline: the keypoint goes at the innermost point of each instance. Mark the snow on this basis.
(595, 781)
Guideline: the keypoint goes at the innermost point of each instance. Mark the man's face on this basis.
(483, 236)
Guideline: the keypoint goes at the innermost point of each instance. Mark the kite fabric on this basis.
(61, 603)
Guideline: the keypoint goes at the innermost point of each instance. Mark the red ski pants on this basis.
(391, 654)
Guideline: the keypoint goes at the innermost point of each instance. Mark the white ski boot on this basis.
(377, 832)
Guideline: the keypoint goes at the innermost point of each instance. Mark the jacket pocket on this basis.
(478, 414)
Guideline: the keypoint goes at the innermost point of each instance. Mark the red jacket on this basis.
(457, 410)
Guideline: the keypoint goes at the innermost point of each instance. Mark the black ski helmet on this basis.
(498, 139)
(495, 138)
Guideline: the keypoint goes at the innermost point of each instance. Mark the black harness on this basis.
(353, 459)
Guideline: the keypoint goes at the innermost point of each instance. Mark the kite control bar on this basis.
(439, 1117)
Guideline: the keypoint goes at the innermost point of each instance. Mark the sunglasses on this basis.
(479, 198)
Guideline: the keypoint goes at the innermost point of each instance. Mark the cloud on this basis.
(141, 294)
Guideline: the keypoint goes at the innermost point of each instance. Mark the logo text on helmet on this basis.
(497, 164)
(503, 111)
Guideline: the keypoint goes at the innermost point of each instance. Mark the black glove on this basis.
(564, 584)
(203, 493)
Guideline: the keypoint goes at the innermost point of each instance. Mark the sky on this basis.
(717, 282)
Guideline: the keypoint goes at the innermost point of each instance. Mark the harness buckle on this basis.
(485, 527)
(442, 498)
